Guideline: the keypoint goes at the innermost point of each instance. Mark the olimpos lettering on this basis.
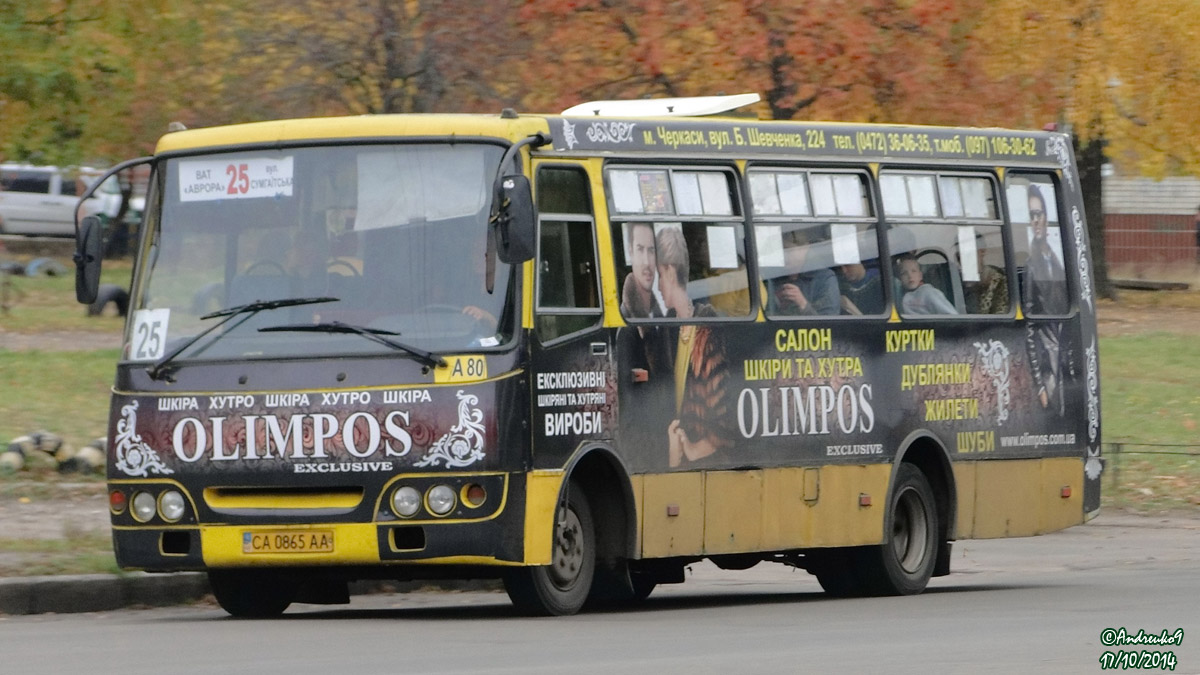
(286, 439)
(805, 410)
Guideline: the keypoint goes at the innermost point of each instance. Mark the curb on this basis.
(69, 594)
(98, 592)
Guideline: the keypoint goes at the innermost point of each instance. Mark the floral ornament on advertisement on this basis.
(568, 131)
(994, 357)
(611, 132)
(134, 457)
(1094, 465)
(1085, 278)
(463, 446)
(1057, 147)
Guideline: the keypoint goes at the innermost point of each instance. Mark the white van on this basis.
(41, 200)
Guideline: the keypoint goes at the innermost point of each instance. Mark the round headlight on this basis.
(171, 506)
(142, 507)
(406, 501)
(441, 499)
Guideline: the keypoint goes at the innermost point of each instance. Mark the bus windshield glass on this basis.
(395, 234)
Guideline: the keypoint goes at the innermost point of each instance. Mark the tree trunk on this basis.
(1089, 157)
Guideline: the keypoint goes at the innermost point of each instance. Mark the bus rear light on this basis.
(117, 502)
(474, 495)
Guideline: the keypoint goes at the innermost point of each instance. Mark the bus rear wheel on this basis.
(252, 594)
(560, 588)
(903, 564)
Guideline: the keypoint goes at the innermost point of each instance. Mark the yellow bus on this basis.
(578, 352)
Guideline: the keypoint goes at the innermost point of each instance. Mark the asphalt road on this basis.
(1037, 605)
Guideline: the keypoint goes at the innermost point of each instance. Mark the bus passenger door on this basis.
(571, 365)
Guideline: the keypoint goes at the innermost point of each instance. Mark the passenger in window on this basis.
(803, 292)
(988, 295)
(861, 289)
(704, 406)
(919, 297)
(638, 298)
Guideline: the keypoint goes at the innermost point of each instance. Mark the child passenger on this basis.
(919, 297)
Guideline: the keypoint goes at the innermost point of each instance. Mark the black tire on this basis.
(560, 588)
(837, 570)
(903, 564)
(252, 594)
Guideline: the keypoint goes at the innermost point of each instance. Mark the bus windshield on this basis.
(396, 234)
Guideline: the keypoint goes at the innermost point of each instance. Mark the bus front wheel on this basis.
(903, 564)
(560, 588)
(252, 594)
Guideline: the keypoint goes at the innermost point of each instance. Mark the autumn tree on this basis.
(289, 58)
(1121, 76)
(876, 60)
(87, 80)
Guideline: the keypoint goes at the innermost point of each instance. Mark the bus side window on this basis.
(568, 295)
(1038, 246)
(946, 243)
(816, 243)
(680, 246)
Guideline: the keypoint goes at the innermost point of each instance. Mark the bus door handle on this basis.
(640, 375)
(599, 348)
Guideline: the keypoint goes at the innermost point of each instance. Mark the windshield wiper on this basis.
(250, 309)
(374, 334)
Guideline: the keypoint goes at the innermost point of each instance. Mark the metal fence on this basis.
(1116, 454)
(1151, 246)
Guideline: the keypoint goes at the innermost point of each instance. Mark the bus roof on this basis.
(728, 137)
(354, 127)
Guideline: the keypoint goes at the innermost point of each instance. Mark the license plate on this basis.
(287, 541)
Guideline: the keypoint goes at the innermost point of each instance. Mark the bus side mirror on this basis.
(89, 249)
(515, 237)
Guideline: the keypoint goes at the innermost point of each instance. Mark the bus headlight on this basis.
(406, 501)
(143, 507)
(441, 499)
(171, 506)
